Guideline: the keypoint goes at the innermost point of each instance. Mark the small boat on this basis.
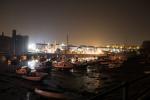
(64, 62)
(27, 74)
(63, 65)
(36, 76)
(50, 94)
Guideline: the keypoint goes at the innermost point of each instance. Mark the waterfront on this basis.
(78, 83)
(35, 77)
(74, 50)
(75, 83)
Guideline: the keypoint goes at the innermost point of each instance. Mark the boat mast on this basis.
(67, 40)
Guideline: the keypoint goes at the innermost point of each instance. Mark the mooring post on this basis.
(28, 95)
(124, 91)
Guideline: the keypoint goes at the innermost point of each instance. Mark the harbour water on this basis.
(78, 84)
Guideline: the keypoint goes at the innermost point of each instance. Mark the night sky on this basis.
(90, 22)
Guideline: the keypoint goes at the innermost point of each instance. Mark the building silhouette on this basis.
(5, 44)
(145, 48)
(14, 45)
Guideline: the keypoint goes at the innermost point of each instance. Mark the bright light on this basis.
(32, 47)
(62, 44)
(99, 51)
(137, 47)
(108, 46)
(31, 64)
(121, 47)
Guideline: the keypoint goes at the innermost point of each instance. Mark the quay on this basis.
(67, 55)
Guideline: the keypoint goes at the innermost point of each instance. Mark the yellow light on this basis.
(137, 47)
(108, 46)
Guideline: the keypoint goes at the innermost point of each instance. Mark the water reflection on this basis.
(75, 82)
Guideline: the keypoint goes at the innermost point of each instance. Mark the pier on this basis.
(67, 55)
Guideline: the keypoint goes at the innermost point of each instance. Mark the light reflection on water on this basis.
(77, 82)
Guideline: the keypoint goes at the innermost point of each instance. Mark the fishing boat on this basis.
(63, 65)
(65, 62)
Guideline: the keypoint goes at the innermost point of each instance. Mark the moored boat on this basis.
(63, 65)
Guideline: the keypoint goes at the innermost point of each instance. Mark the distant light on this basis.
(62, 44)
(99, 51)
(137, 47)
(32, 47)
(108, 46)
(121, 47)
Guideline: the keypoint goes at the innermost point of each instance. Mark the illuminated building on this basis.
(82, 49)
(41, 47)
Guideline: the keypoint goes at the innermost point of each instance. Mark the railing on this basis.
(125, 93)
